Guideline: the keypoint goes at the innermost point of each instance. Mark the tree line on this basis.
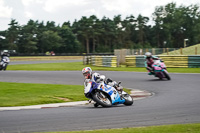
(172, 24)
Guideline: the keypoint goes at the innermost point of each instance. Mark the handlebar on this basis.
(119, 83)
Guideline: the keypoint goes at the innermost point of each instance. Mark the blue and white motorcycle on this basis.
(106, 95)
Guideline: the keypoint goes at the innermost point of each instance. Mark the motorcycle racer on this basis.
(4, 53)
(4, 58)
(149, 60)
(89, 78)
(97, 89)
(96, 77)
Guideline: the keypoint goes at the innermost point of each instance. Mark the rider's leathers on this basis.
(88, 84)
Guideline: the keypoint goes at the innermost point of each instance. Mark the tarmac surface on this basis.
(173, 102)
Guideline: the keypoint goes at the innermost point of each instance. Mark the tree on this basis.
(141, 26)
(2, 40)
(70, 44)
(108, 34)
(178, 24)
(28, 38)
(50, 40)
(90, 34)
(130, 31)
(12, 35)
(83, 31)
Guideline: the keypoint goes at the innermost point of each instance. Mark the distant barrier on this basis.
(103, 61)
(175, 61)
(122, 53)
(192, 61)
(170, 61)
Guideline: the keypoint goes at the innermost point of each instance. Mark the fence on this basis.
(191, 61)
(103, 61)
(194, 61)
(170, 61)
(122, 53)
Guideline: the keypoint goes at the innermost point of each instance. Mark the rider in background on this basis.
(4, 54)
(95, 77)
(149, 60)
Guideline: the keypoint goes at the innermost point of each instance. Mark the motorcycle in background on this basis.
(4, 63)
(160, 70)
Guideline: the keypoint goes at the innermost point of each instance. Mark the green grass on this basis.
(181, 128)
(22, 94)
(183, 70)
(34, 58)
(77, 66)
(48, 66)
(185, 51)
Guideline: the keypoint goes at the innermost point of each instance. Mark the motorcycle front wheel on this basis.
(4, 68)
(128, 99)
(166, 74)
(102, 99)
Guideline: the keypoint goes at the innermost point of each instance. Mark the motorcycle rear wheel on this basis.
(102, 99)
(128, 99)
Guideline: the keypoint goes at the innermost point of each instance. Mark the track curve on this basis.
(175, 101)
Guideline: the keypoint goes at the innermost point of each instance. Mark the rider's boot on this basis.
(150, 73)
(90, 100)
(96, 105)
(119, 89)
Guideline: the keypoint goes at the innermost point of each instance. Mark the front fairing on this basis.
(111, 91)
(157, 68)
(6, 59)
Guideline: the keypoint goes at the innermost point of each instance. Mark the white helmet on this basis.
(87, 71)
(148, 54)
(96, 77)
(5, 53)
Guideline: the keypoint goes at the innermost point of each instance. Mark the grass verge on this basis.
(180, 128)
(186, 51)
(22, 94)
(77, 66)
(34, 58)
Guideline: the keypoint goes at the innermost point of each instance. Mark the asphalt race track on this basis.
(174, 102)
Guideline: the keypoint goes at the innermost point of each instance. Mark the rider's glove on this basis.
(108, 80)
(161, 60)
